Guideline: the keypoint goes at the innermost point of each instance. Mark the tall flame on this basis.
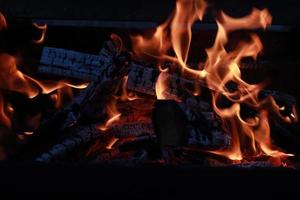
(250, 135)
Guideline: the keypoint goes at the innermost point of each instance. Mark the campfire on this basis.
(149, 102)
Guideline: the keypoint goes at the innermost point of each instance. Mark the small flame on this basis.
(62, 94)
(28, 133)
(3, 24)
(4, 117)
(113, 115)
(43, 28)
(127, 96)
(161, 85)
(154, 46)
(112, 142)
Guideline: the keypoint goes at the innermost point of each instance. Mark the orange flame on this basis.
(127, 96)
(13, 79)
(154, 46)
(3, 24)
(113, 115)
(111, 143)
(43, 28)
(161, 85)
(221, 67)
(62, 94)
(4, 117)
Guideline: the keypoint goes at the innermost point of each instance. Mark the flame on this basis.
(3, 24)
(156, 45)
(62, 94)
(111, 143)
(250, 136)
(4, 117)
(113, 115)
(43, 28)
(13, 79)
(161, 85)
(222, 68)
(127, 96)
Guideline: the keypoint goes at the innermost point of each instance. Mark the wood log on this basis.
(73, 64)
(141, 78)
(81, 135)
(89, 99)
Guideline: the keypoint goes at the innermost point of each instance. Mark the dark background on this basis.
(83, 26)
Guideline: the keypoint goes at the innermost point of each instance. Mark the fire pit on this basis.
(197, 90)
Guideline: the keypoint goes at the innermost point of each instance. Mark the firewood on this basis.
(90, 103)
(141, 78)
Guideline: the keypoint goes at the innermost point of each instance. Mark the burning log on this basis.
(90, 102)
(141, 78)
(81, 135)
(200, 128)
(187, 127)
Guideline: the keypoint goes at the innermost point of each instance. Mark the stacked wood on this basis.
(105, 72)
(141, 78)
(82, 135)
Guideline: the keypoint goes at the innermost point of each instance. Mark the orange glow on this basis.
(43, 28)
(4, 117)
(186, 13)
(62, 94)
(28, 133)
(127, 96)
(161, 85)
(250, 136)
(13, 79)
(3, 24)
(113, 115)
(112, 142)
(223, 67)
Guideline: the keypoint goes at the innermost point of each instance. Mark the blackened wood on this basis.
(170, 124)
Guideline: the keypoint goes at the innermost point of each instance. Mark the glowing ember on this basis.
(221, 68)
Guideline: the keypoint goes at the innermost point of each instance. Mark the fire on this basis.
(62, 94)
(12, 79)
(161, 85)
(3, 24)
(43, 28)
(113, 115)
(4, 115)
(112, 142)
(127, 96)
(250, 136)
